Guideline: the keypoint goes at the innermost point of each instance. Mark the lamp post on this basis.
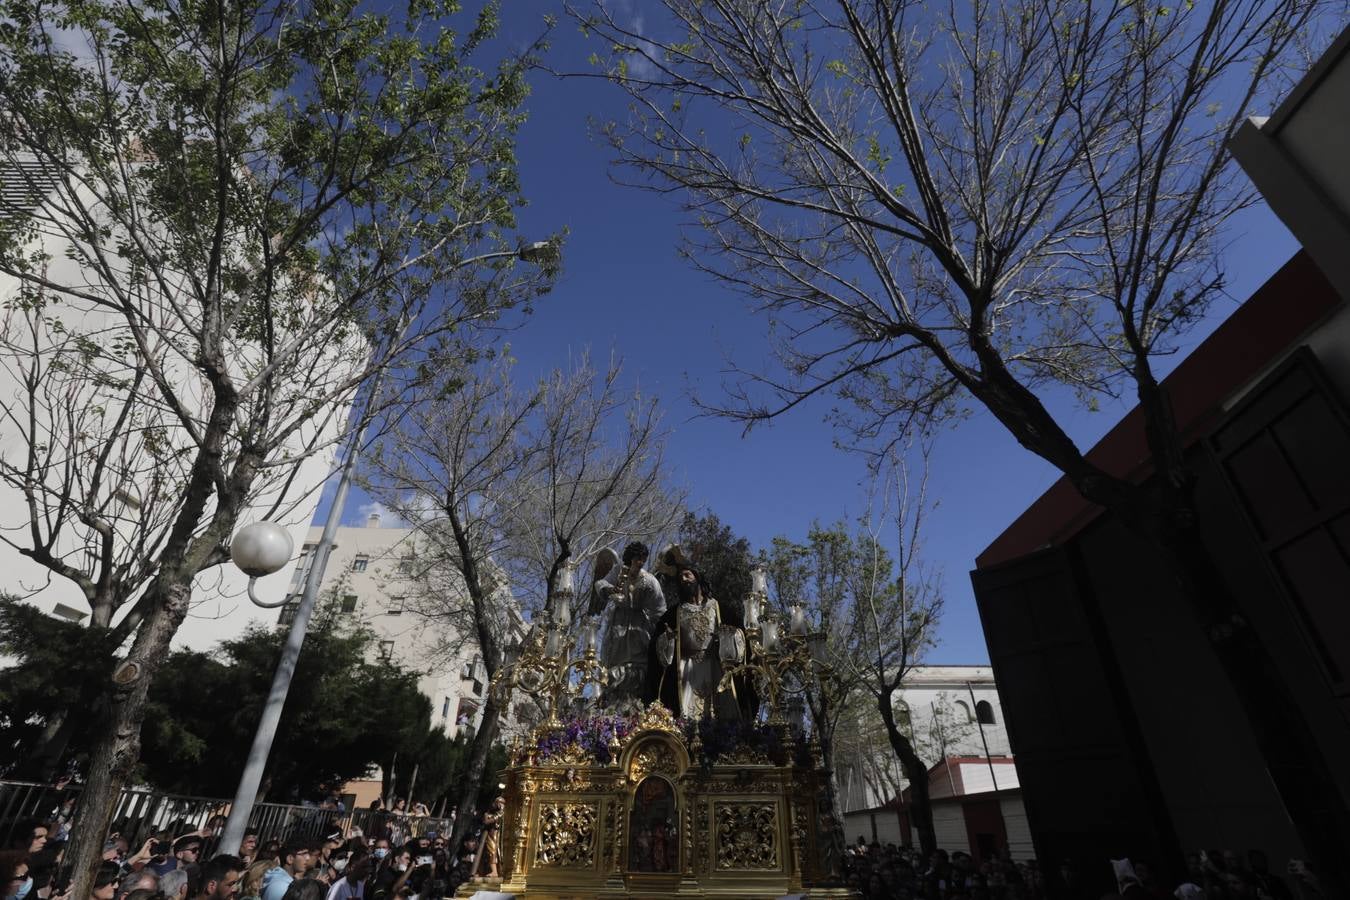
(251, 778)
(540, 253)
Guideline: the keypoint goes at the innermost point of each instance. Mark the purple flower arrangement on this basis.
(592, 734)
(724, 736)
(718, 737)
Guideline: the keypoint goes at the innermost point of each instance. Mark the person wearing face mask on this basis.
(393, 874)
(352, 884)
(14, 875)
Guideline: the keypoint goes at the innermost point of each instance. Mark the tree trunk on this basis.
(117, 738)
(473, 778)
(835, 838)
(920, 808)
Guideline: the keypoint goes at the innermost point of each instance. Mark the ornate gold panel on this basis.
(567, 834)
(746, 836)
(653, 756)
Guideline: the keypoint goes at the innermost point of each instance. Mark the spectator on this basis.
(306, 889)
(1271, 885)
(352, 884)
(271, 851)
(141, 894)
(251, 886)
(211, 835)
(144, 880)
(296, 859)
(220, 878)
(248, 847)
(30, 836)
(14, 879)
(187, 851)
(105, 882)
(174, 885)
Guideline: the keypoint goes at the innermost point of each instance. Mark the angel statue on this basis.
(631, 600)
(683, 669)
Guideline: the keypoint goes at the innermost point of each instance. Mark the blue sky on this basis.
(624, 287)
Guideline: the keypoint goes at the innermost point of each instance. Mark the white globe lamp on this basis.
(261, 549)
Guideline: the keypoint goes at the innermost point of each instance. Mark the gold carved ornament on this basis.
(747, 835)
(652, 756)
(566, 835)
(656, 718)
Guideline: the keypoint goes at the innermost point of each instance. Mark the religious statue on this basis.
(683, 668)
(632, 601)
(489, 854)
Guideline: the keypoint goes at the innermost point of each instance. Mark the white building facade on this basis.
(62, 419)
(368, 576)
(951, 712)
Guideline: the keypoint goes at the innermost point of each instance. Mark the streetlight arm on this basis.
(260, 604)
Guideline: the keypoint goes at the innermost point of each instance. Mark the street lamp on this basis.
(261, 549)
(540, 253)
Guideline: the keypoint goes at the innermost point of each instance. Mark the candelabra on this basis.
(779, 663)
(545, 666)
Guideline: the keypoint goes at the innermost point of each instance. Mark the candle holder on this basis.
(546, 668)
(780, 663)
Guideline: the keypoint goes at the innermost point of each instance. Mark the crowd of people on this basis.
(889, 872)
(384, 862)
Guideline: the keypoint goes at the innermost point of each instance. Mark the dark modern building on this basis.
(1130, 740)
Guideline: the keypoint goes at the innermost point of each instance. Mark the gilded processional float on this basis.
(665, 766)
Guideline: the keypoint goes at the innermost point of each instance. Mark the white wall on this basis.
(976, 778)
(440, 655)
(1015, 824)
(220, 607)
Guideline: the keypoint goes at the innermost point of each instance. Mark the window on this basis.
(477, 688)
(465, 711)
(445, 709)
(469, 669)
(902, 714)
(984, 713)
(386, 650)
(405, 567)
(359, 564)
(288, 612)
(396, 606)
(962, 712)
(349, 603)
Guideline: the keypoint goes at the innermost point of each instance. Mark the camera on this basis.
(424, 860)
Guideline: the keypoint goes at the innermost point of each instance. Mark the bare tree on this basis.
(880, 611)
(899, 619)
(495, 484)
(601, 478)
(822, 576)
(449, 467)
(219, 221)
(942, 203)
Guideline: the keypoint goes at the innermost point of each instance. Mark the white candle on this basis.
(590, 634)
(752, 611)
(567, 577)
(769, 634)
(759, 580)
(553, 643)
(797, 619)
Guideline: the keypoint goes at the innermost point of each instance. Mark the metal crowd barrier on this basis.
(141, 814)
